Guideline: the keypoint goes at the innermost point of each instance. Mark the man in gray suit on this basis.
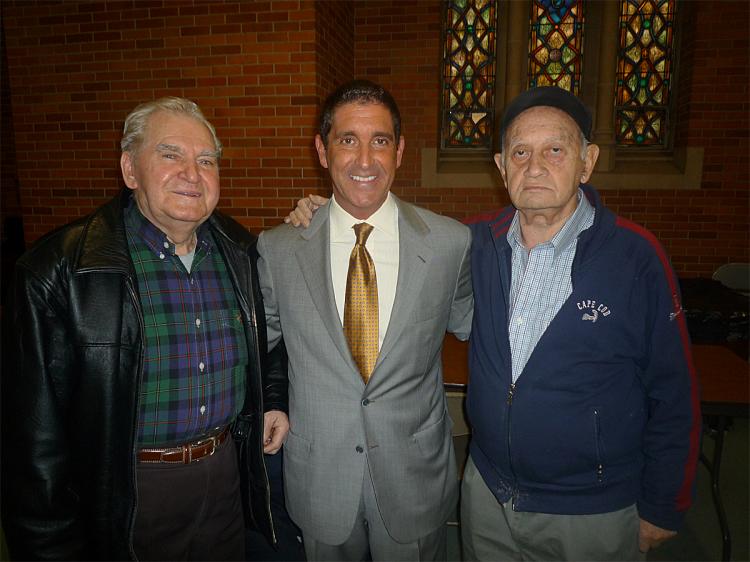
(369, 465)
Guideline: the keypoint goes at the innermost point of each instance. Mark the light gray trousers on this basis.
(492, 531)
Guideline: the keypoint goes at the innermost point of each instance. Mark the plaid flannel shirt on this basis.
(195, 355)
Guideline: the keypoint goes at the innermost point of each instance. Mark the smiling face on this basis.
(174, 174)
(541, 163)
(362, 156)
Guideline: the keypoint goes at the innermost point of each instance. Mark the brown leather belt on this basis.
(184, 454)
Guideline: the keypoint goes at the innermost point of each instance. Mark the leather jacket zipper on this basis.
(262, 423)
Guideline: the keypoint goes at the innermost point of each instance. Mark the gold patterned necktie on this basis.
(361, 304)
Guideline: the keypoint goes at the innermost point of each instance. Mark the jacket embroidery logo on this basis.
(592, 310)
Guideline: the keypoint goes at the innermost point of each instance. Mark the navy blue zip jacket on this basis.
(606, 412)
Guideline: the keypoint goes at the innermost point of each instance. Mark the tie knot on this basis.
(362, 230)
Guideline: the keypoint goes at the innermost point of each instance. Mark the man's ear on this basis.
(321, 148)
(128, 170)
(592, 155)
(400, 150)
(501, 166)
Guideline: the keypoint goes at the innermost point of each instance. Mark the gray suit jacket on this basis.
(398, 424)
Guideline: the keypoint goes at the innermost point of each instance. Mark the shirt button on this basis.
(201, 366)
(359, 449)
(365, 402)
(203, 409)
(166, 245)
(519, 320)
(198, 322)
(161, 256)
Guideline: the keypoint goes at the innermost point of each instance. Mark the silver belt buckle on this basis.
(211, 439)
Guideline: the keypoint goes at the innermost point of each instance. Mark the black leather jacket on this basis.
(70, 390)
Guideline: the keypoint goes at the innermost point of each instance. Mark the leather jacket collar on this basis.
(103, 243)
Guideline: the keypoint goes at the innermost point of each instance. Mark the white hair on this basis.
(137, 122)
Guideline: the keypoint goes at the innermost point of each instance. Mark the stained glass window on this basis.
(556, 44)
(469, 73)
(644, 71)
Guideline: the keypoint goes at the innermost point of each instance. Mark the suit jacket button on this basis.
(359, 449)
(365, 402)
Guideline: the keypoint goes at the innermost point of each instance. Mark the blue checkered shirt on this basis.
(541, 281)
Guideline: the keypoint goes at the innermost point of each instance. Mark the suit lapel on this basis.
(414, 256)
(314, 259)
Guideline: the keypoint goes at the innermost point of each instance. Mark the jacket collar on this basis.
(591, 239)
(104, 245)
(406, 214)
(228, 231)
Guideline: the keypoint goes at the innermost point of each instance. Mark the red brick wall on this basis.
(259, 69)
(334, 45)
(77, 69)
(10, 202)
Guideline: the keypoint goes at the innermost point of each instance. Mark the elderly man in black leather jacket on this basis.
(71, 389)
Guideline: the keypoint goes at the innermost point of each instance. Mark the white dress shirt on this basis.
(382, 244)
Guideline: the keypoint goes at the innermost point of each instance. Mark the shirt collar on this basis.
(152, 235)
(384, 220)
(576, 223)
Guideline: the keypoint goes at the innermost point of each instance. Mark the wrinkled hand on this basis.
(275, 428)
(303, 212)
(650, 536)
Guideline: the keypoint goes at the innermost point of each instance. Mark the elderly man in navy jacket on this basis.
(582, 396)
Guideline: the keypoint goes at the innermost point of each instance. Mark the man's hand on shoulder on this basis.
(302, 214)
(650, 536)
(275, 428)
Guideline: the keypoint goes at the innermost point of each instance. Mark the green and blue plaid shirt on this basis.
(195, 354)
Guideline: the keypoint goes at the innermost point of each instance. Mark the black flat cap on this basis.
(548, 96)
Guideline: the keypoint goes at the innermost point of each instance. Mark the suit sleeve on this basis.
(462, 307)
(671, 438)
(41, 511)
